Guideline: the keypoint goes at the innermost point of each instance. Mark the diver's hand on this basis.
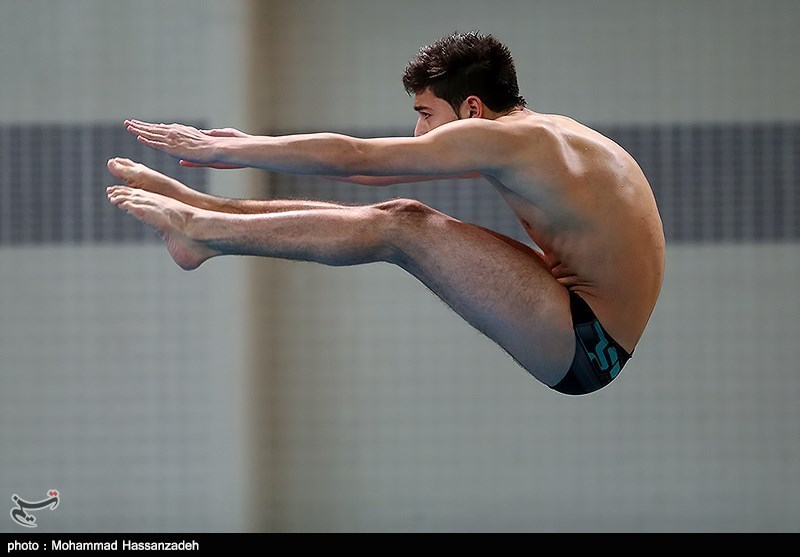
(193, 146)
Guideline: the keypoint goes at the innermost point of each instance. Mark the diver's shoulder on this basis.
(561, 123)
(578, 135)
(556, 126)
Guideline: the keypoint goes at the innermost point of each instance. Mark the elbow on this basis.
(354, 158)
(324, 154)
(335, 156)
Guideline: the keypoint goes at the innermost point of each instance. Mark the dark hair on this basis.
(464, 64)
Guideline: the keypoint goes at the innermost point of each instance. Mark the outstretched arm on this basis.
(457, 148)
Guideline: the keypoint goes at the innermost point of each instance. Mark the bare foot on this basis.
(171, 219)
(137, 175)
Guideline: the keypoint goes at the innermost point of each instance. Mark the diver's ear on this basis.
(472, 107)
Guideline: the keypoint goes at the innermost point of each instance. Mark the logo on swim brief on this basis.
(604, 355)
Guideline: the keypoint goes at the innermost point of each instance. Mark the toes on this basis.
(117, 194)
(116, 168)
(120, 167)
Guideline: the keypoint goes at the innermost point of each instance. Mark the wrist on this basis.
(220, 151)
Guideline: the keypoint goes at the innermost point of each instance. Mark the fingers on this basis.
(161, 145)
(136, 125)
(177, 140)
(142, 124)
(154, 136)
(146, 128)
(151, 135)
(153, 132)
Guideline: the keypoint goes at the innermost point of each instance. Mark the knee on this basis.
(401, 207)
(407, 217)
(406, 222)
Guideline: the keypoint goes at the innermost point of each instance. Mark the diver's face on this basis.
(433, 112)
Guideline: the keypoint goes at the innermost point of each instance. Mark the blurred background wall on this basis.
(293, 397)
(121, 376)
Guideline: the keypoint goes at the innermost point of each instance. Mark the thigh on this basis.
(498, 285)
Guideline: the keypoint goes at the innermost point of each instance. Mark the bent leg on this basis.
(498, 285)
(498, 288)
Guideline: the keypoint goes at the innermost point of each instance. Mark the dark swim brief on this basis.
(598, 357)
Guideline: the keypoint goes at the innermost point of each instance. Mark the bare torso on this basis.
(594, 216)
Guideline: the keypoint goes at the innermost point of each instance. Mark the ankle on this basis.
(205, 226)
